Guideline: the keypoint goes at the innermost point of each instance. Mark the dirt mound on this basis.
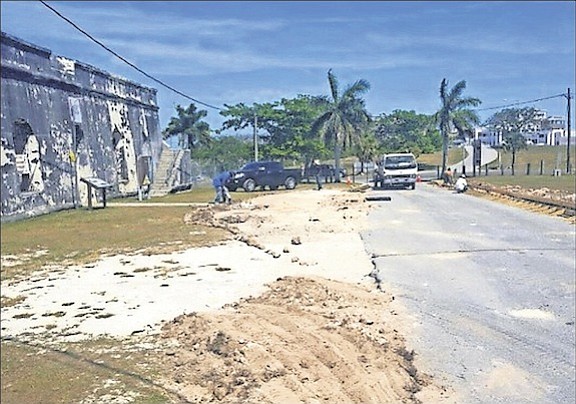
(305, 340)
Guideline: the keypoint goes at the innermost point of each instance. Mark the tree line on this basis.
(308, 128)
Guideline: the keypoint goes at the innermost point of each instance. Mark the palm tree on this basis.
(366, 149)
(189, 127)
(454, 113)
(344, 117)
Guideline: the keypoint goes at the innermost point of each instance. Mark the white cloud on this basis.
(484, 42)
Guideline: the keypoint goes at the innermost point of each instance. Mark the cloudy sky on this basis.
(254, 52)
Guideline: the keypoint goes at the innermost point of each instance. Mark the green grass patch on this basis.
(551, 157)
(91, 369)
(454, 156)
(82, 236)
(201, 194)
(565, 183)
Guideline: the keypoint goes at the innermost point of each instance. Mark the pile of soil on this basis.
(305, 340)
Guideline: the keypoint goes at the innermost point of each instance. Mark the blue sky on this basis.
(254, 52)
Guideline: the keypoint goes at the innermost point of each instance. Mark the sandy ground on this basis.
(282, 312)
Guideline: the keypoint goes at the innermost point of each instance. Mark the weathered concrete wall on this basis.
(62, 120)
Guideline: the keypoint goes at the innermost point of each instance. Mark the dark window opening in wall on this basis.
(27, 152)
(22, 131)
(120, 156)
(79, 134)
(150, 126)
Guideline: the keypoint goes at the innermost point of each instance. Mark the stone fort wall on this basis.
(62, 121)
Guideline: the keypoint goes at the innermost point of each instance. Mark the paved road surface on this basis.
(487, 155)
(491, 288)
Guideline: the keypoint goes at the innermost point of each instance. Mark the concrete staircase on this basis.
(166, 175)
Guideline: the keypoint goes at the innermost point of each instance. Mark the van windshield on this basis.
(393, 162)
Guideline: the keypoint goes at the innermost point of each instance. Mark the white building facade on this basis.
(547, 131)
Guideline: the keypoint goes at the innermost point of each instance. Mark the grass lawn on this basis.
(41, 374)
(550, 156)
(435, 159)
(82, 235)
(566, 183)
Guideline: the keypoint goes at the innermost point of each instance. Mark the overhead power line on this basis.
(522, 102)
(125, 60)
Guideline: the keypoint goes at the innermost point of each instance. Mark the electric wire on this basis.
(218, 108)
(125, 60)
(522, 102)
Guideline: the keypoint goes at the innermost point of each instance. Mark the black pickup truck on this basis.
(262, 174)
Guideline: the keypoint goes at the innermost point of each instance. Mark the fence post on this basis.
(486, 170)
(501, 169)
(541, 167)
(527, 168)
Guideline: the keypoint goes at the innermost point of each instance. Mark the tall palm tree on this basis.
(454, 113)
(344, 117)
(189, 127)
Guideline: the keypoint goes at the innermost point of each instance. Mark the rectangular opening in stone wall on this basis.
(27, 154)
(120, 156)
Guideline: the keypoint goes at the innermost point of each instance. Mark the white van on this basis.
(396, 170)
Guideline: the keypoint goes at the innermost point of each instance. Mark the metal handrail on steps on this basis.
(170, 173)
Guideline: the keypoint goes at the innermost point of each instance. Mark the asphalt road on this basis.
(490, 288)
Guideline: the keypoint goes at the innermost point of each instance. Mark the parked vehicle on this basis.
(262, 174)
(396, 170)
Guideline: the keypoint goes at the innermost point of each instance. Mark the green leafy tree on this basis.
(344, 118)
(242, 116)
(511, 122)
(224, 153)
(188, 127)
(284, 127)
(454, 113)
(407, 131)
(290, 130)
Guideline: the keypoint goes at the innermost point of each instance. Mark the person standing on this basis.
(219, 182)
(448, 177)
(318, 179)
(315, 168)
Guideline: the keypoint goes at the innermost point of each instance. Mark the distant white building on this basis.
(547, 130)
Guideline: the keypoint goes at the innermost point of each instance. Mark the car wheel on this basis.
(249, 185)
(413, 186)
(290, 183)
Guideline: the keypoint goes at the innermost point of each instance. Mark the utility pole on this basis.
(569, 134)
(255, 137)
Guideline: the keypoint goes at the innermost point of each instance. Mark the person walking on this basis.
(219, 182)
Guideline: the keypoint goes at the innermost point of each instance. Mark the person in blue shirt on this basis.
(219, 182)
